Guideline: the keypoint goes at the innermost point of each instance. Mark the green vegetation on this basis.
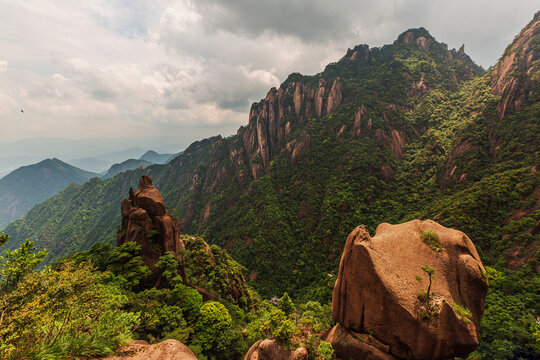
(430, 272)
(58, 313)
(432, 240)
(29, 185)
(462, 311)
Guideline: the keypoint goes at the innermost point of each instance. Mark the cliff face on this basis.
(146, 222)
(272, 120)
(516, 76)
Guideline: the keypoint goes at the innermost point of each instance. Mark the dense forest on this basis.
(409, 130)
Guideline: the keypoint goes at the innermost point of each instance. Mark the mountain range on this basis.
(405, 131)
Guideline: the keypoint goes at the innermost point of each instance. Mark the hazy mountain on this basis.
(91, 154)
(29, 185)
(102, 162)
(91, 164)
(130, 164)
(156, 158)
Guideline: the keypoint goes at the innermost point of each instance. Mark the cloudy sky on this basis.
(176, 71)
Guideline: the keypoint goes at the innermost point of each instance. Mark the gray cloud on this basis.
(169, 68)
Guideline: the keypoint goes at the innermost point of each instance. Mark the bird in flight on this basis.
(22, 111)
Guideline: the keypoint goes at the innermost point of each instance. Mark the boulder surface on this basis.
(165, 350)
(382, 291)
(271, 350)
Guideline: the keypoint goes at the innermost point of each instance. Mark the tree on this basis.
(286, 305)
(214, 333)
(63, 313)
(430, 271)
(16, 264)
(3, 238)
(169, 266)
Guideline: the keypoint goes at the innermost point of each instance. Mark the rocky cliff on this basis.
(413, 291)
(516, 76)
(145, 221)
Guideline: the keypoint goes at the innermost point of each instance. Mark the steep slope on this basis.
(21, 189)
(409, 130)
(130, 164)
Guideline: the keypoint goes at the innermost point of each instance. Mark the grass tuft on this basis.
(432, 240)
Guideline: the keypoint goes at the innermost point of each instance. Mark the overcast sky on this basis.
(182, 70)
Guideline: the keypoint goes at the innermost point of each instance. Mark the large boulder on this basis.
(358, 346)
(271, 350)
(382, 290)
(165, 350)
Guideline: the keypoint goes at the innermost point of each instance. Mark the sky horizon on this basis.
(178, 71)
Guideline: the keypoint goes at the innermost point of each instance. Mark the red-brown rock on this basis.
(165, 350)
(352, 345)
(271, 350)
(149, 198)
(144, 222)
(380, 279)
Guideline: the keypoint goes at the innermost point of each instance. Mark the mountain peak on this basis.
(414, 36)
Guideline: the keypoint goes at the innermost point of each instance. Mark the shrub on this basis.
(432, 240)
(62, 314)
(462, 312)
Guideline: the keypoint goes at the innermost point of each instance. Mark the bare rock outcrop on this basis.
(383, 291)
(145, 222)
(270, 119)
(165, 350)
(512, 76)
(271, 350)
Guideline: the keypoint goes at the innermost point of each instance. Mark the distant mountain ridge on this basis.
(156, 158)
(130, 164)
(21, 189)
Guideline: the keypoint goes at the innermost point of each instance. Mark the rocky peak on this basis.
(461, 50)
(386, 295)
(144, 221)
(515, 73)
(419, 37)
(272, 120)
(359, 52)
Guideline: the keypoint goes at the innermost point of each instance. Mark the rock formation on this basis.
(271, 350)
(269, 120)
(165, 350)
(144, 221)
(516, 72)
(383, 294)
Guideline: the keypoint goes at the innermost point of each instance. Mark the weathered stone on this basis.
(378, 287)
(271, 350)
(149, 198)
(514, 89)
(350, 345)
(165, 350)
(156, 234)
